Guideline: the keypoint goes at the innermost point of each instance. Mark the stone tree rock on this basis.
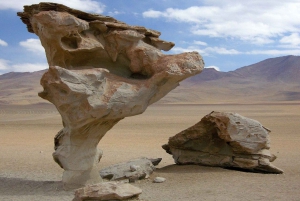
(101, 71)
(224, 140)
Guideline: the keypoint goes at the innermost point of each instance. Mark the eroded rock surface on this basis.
(132, 170)
(224, 140)
(101, 70)
(107, 191)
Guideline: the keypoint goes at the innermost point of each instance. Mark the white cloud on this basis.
(292, 40)
(178, 50)
(29, 67)
(3, 43)
(221, 50)
(214, 67)
(33, 45)
(7, 66)
(114, 13)
(86, 5)
(152, 14)
(207, 50)
(197, 42)
(4, 64)
(255, 21)
(275, 52)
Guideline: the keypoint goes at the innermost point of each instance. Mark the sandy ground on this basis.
(27, 171)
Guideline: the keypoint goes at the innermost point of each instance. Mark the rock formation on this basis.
(225, 140)
(107, 191)
(132, 170)
(101, 71)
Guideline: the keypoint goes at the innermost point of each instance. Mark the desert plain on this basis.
(28, 172)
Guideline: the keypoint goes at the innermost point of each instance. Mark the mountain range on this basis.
(275, 79)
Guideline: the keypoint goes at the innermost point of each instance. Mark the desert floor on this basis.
(28, 172)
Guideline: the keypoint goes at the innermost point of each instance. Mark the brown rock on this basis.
(224, 140)
(107, 191)
(101, 71)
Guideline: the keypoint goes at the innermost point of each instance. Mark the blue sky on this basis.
(229, 34)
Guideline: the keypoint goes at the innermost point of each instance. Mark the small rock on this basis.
(155, 161)
(107, 191)
(133, 170)
(159, 180)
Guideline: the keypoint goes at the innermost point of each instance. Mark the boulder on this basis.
(132, 170)
(107, 191)
(101, 70)
(227, 140)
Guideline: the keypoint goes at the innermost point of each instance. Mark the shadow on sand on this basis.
(201, 169)
(18, 186)
(188, 169)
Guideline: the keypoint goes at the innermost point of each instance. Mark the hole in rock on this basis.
(70, 42)
(139, 76)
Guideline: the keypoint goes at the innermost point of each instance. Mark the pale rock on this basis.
(133, 170)
(159, 180)
(225, 140)
(107, 191)
(101, 71)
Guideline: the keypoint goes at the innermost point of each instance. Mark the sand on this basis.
(28, 172)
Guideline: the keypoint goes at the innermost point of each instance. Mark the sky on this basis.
(229, 34)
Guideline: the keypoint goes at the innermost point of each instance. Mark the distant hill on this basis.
(274, 79)
(285, 69)
(21, 88)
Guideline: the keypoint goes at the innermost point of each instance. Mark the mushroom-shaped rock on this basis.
(101, 70)
(225, 140)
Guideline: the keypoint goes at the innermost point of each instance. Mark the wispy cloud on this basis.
(292, 40)
(86, 5)
(214, 67)
(257, 22)
(6, 65)
(275, 52)
(197, 42)
(29, 67)
(114, 13)
(33, 45)
(207, 50)
(3, 43)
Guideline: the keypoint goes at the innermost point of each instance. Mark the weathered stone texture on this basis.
(225, 140)
(132, 170)
(107, 191)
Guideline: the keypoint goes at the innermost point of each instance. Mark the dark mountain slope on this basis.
(285, 69)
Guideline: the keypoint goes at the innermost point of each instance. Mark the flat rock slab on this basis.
(107, 191)
(135, 169)
(224, 139)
